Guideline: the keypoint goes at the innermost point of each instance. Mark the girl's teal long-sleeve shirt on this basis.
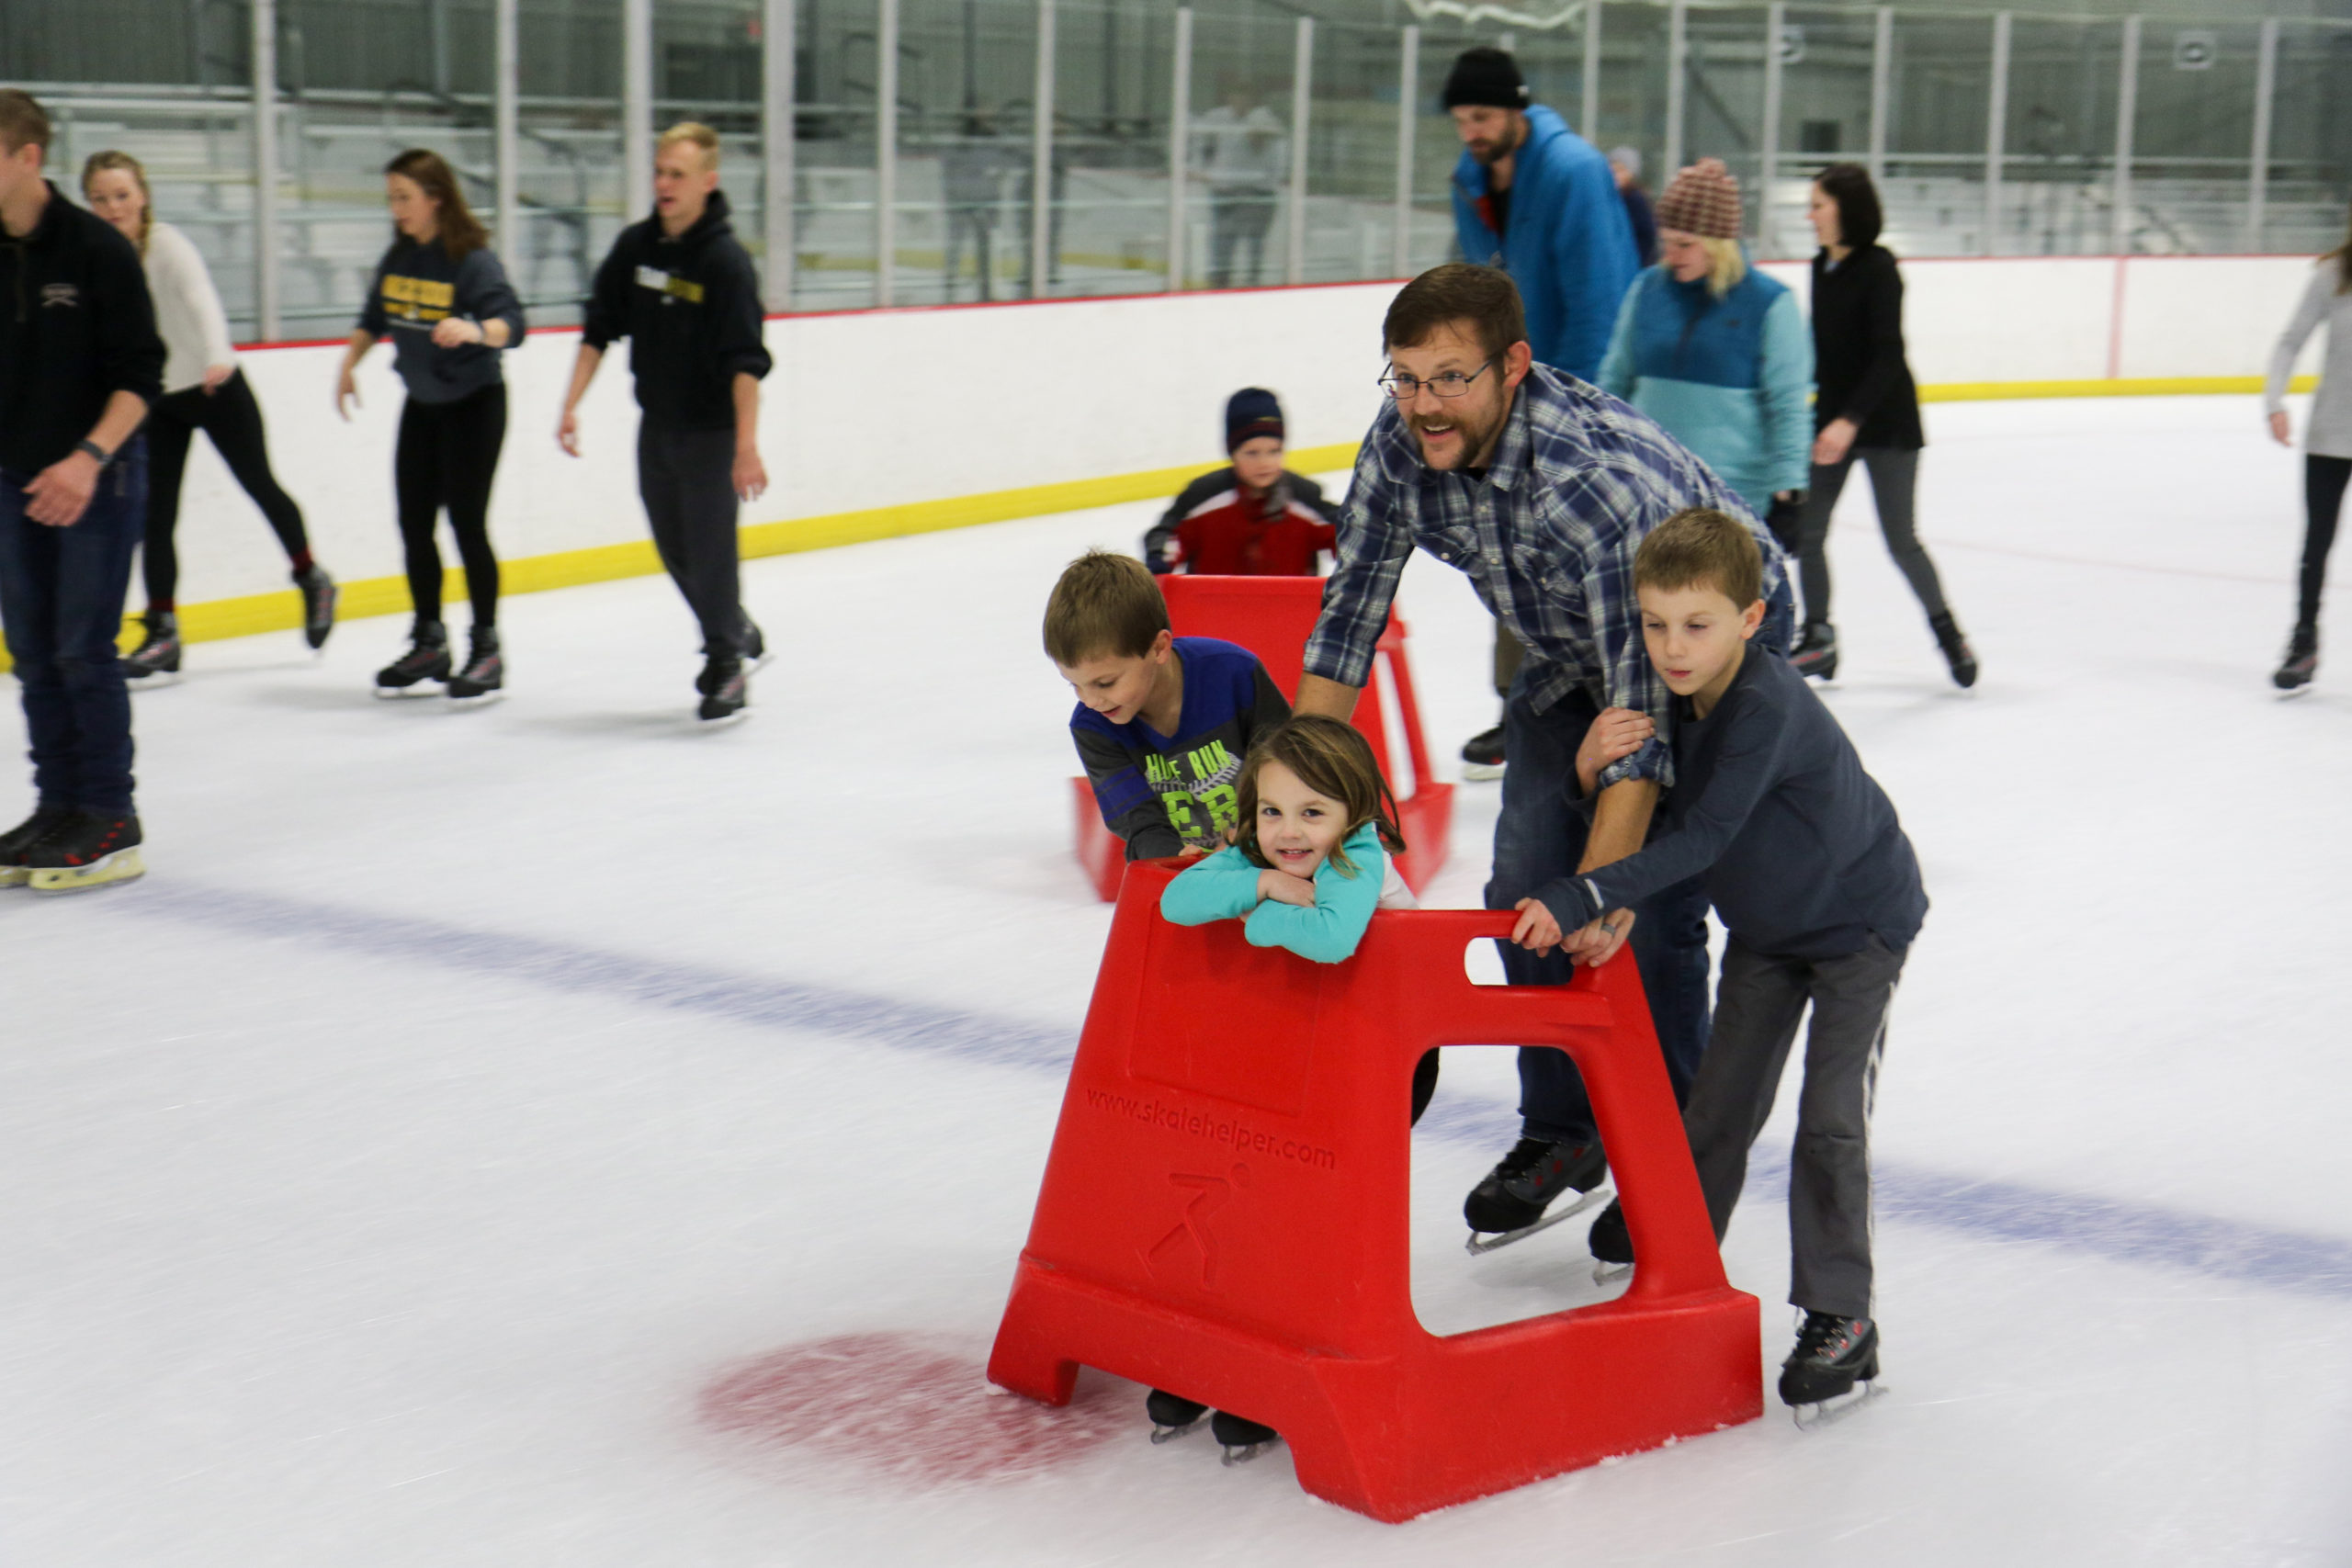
(1224, 886)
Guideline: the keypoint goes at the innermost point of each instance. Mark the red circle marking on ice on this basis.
(899, 1408)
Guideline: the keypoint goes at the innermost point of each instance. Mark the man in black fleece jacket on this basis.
(80, 366)
(681, 288)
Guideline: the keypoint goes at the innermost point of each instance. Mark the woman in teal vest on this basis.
(1717, 353)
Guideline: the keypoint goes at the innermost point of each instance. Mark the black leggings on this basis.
(2323, 480)
(448, 456)
(232, 420)
(1895, 479)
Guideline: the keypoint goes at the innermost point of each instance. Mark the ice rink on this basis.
(553, 1134)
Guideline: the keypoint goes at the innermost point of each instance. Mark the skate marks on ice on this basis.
(2147, 1234)
(906, 1410)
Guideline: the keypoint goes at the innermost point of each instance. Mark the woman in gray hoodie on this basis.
(2327, 443)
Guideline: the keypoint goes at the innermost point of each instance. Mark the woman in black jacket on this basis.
(1866, 407)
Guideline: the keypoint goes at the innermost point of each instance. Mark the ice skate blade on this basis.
(1829, 1411)
(14, 876)
(479, 700)
(123, 865)
(722, 721)
(1483, 1242)
(1479, 773)
(1170, 1434)
(1242, 1453)
(156, 682)
(1609, 1274)
(398, 694)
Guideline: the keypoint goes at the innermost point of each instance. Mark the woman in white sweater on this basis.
(2327, 443)
(203, 390)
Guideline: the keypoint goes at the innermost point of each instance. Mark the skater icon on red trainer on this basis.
(1210, 1193)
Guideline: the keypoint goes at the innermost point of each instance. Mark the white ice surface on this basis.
(396, 1176)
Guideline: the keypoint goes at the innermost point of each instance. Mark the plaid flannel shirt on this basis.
(1547, 540)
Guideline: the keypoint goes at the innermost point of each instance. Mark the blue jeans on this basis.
(61, 606)
(1540, 837)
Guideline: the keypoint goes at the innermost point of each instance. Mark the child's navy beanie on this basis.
(1249, 413)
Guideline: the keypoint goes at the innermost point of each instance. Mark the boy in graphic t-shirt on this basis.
(1162, 721)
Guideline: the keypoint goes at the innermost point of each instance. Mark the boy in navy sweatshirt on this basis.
(1810, 874)
(1163, 722)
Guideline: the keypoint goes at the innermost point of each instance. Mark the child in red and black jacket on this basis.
(1254, 518)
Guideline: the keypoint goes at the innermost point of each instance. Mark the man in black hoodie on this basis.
(681, 288)
(80, 366)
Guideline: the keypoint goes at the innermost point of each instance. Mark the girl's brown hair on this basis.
(1335, 760)
(99, 162)
(461, 232)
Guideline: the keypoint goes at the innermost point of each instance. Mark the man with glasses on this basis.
(681, 287)
(1539, 487)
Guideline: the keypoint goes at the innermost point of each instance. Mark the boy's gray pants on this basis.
(1758, 1008)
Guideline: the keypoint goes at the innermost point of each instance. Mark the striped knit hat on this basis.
(1703, 200)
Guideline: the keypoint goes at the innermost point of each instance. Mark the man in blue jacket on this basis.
(1537, 200)
(1534, 198)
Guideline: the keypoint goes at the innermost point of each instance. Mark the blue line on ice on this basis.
(2129, 1232)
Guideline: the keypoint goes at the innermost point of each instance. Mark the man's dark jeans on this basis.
(1541, 836)
(61, 603)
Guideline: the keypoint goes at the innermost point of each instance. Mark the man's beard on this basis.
(1472, 428)
(1503, 147)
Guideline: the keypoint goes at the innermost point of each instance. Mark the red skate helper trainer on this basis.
(1224, 1214)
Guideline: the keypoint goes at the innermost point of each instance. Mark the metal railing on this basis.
(1145, 146)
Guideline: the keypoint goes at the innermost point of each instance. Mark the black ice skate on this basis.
(156, 660)
(427, 658)
(1815, 654)
(1244, 1439)
(1834, 1369)
(726, 687)
(319, 596)
(1508, 1205)
(86, 850)
(19, 840)
(1172, 1415)
(1956, 651)
(2295, 671)
(1612, 1244)
(484, 676)
(1482, 754)
(756, 644)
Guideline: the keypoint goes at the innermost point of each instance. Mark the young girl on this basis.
(1312, 861)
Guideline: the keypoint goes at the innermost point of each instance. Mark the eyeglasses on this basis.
(1445, 383)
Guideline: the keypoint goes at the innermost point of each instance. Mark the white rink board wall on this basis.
(893, 408)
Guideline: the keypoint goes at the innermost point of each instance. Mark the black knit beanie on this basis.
(1485, 76)
(1249, 413)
